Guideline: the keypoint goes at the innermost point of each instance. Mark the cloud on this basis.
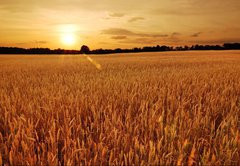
(175, 37)
(196, 34)
(113, 16)
(117, 31)
(21, 43)
(41, 42)
(119, 37)
(125, 32)
(142, 41)
(116, 14)
(33, 42)
(134, 19)
(174, 34)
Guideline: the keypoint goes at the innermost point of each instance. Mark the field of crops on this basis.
(147, 108)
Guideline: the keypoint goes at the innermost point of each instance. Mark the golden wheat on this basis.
(149, 108)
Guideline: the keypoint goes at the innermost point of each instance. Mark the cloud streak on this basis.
(142, 41)
(196, 34)
(134, 19)
(41, 42)
(125, 32)
(116, 15)
(174, 34)
(119, 37)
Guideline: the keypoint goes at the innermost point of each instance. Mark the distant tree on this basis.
(186, 48)
(136, 49)
(84, 50)
(118, 50)
(179, 48)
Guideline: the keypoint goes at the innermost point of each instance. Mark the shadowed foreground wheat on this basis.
(148, 108)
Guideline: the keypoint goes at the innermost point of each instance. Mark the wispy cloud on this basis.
(116, 14)
(196, 34)
(119, 37)
(174, 34)
(142, 41)
(125, 32)
(41, 42)
(117, 31)
(134, 19)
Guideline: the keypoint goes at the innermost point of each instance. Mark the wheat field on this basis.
(170, 108)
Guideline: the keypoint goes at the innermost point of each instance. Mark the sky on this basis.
(69, 24)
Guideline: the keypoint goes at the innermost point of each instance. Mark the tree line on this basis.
(85, 49)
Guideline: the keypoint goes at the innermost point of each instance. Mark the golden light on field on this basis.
(166, 108)
(95, 63)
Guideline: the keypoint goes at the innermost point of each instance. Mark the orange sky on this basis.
(112, 24)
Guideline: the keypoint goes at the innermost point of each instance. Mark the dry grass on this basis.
(151, 108)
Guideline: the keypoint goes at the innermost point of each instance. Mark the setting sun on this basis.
(68, 34)
(68, 39)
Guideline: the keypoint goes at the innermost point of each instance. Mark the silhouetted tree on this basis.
(136, 49)
(180, 48)
(118, 50)
(186, 48)
(84, 50)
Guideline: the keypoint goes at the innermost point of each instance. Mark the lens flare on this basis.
(95, 63)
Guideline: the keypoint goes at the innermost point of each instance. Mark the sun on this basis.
(68, 39)
(68, 34)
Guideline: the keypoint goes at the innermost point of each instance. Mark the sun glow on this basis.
(68, 34)
(68, 39)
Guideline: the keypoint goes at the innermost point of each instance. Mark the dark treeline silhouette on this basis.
(226, 46)
(85, 49)
(144, 49)
(16, 50)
